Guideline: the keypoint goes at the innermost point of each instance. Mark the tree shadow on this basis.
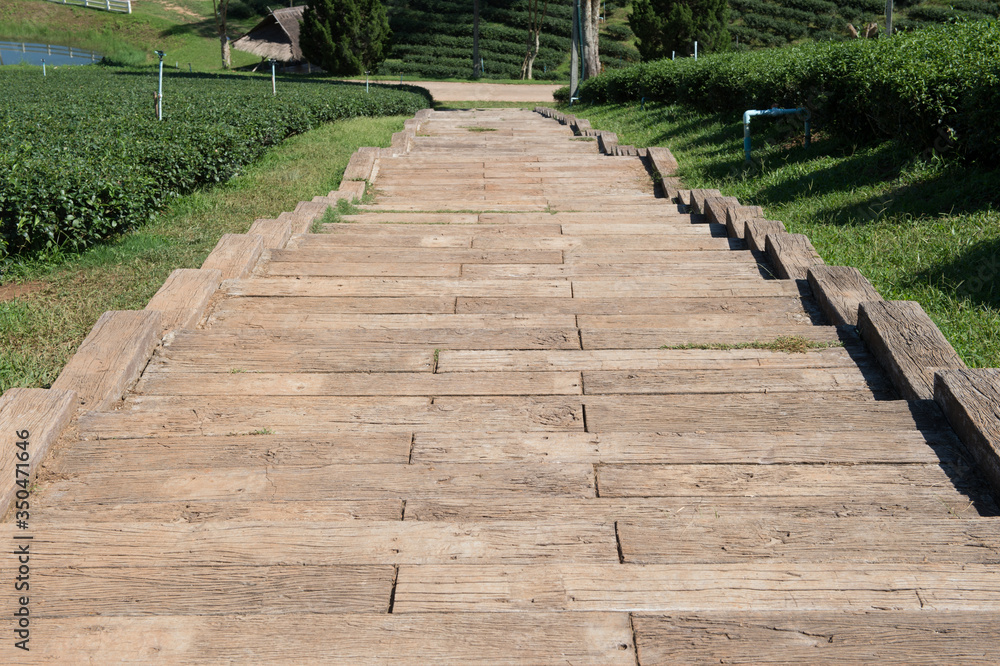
(974, 274)
(204, 28)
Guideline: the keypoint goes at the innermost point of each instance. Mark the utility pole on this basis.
(888, 18)
(477, 70)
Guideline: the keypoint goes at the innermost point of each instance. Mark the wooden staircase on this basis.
(519, 409)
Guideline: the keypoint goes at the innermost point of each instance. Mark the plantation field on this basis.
(84, 157)
(919, 227)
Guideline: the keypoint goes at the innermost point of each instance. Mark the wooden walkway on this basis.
(481, 421)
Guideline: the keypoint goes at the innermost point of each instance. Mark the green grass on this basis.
(39, 333)
(920, 227)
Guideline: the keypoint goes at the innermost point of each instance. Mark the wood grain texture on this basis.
(879, 636)
(361, 164)
(737, 217)
(417, 255)
(335, 305)
(362, 383)
(698, 197)
(781, 412)
(755, 232)
(779, 538)
(198, 452)
(663, 161)
(111, 357)
(363, 286)
(353, 190)
(697, 587)
(338, 482)
(907, 344)
(337, 543)
(840, 290)
(375, 321)
(36, 417)
(217, 415)
(596, 639)
(201, 591)
(184, 296)
(717, 209)
(730, 381)
(764, 448)
(274, 233)
(235, 255)
(792, 255)
(638, 305)
(970, 399)
(654, 338)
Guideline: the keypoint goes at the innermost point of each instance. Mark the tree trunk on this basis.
(533, 55)
(226, 62)
(476, 65)
(592, 60)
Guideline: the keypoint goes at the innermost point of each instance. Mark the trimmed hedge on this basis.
(932, 88)
(83, 157)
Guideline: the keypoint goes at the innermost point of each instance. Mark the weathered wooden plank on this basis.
(411, 218)
(352, 269)
(270, 354)
(641, 229)
(335, 305)
(111, 357)
(31, 420)
(252, 510)
(366, 321)
(719, 321)
(792, 255)
(731, 381)
(203, 591)
(519, 230)
(184, 296)
(398, 287)
(639, 305)
(274, 233)
(707, 539)
(878, 636)
(715, 360)
(840, 290)
(235, 255)
(341, 482)
(337, 543)
(776, 480)
(417, 255)
(653, 338)
(737, 217)
(663, 161)
(301, 415)
(361, 164)
(843, 410)
(610, 270)
(596, 639)
(709, 258)
(907, 344)
(442, 239)
(755, 232)
(362, 383)
(764, 448)
(353, 190)
(887, 500)
(607, 242)
(970, 400)
(199, 452)
(661, 287)
(698, 197)
(717, 209)
(696, 587)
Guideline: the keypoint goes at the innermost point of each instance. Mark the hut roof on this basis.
(277, 36)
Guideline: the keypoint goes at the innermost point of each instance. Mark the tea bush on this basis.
(931, 89)
(83, 156)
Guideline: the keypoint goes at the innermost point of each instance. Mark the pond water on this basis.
(13, 53)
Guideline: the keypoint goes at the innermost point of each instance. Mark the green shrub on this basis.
(931, 88)
(84, 158)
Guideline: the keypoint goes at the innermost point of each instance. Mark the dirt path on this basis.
(455, 91)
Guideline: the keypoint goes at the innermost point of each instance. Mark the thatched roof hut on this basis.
(277, 36)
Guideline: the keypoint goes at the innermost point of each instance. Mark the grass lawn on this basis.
(41, 330)
(919, 227)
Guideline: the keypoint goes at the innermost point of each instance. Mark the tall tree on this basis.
(535, 21)
(665, 26)
(220, 8)
(590, 11)
(345, 37)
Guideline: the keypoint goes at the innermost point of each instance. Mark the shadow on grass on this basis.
(974, 274)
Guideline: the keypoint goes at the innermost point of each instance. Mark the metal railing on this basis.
(123, 6)
(50, 50)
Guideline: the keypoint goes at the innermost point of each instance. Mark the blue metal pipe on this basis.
(750, 113)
